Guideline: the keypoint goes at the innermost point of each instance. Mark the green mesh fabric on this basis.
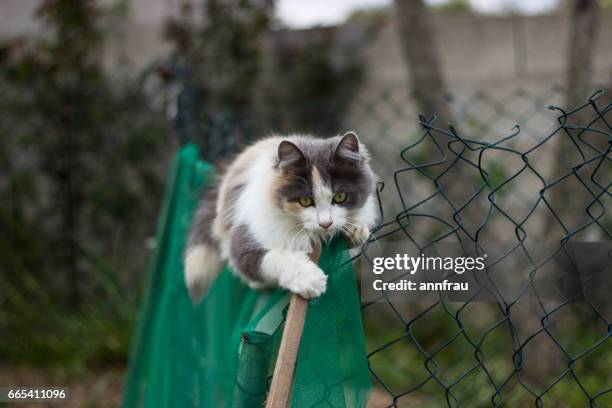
(222, 352)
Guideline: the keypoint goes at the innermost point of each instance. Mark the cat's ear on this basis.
(348, 147)
(289, 155)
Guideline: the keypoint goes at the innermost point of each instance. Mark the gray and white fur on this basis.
(278, 201)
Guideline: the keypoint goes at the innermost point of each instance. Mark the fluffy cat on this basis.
(279, 200)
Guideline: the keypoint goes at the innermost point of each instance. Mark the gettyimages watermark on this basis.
(407, 272)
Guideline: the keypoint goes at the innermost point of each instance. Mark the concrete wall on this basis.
(486, 49)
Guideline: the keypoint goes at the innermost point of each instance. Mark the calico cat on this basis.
(279, 200)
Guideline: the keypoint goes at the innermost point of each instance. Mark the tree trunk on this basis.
(428, 88)
(420, 52)
(569, 198)
(582, 43)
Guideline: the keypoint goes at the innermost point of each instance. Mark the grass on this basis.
(39, 330)
(404, 367)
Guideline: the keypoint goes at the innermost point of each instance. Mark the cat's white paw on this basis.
(308, 282)
(295, 272)
(357, 235)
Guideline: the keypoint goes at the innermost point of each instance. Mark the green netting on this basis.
(222, 352)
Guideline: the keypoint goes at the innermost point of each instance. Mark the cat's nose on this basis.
(326, 224)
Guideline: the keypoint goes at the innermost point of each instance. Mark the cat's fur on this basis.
(254, 220)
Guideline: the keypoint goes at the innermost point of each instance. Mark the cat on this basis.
(280, 199)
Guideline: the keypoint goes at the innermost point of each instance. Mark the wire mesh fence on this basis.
(506, 353)
(514, 170)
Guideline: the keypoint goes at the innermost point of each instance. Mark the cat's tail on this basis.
(202, 260)
(202, 265)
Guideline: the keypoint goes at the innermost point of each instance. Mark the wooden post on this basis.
(282, 379)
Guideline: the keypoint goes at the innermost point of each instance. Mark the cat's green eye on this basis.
(305, 201)
(340, 197)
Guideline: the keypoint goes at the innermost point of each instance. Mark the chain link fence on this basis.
(507, 353)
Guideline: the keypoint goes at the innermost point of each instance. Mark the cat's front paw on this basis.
(310, 282)
(357, 234)
(294, 271)
(307, 280)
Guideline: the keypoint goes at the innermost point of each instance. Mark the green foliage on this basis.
(223, 51)
(308, 91)
(370, 15)
(39, 330)
(376, 15)
(606, 3)
(303, 85)
(497, 175)
(405, 366)
(453, 6)
(84, 163)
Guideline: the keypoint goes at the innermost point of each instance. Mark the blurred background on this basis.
(96, 96)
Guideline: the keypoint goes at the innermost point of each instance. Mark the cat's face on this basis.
(322, 183)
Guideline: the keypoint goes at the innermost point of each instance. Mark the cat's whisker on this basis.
(376, 241)
(298, 237)
(294, 239)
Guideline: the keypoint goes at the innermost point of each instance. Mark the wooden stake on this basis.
(282, 380)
